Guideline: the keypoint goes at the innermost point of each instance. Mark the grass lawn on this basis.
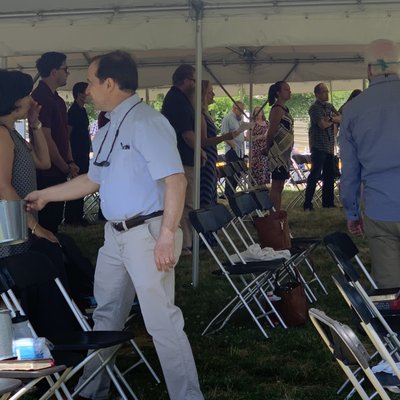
(238, 363)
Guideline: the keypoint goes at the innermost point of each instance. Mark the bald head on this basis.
(382, 57)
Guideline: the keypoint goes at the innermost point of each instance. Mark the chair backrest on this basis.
(242, 204)
(353, 298)
(15, 274)
(344, 263)
(261, 196)
(343, 242)
(210, 219)
(341, 339)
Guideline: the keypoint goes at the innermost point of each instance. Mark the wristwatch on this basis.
(36, 127)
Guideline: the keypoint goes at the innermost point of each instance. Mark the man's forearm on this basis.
(174, 201)
(76, 188)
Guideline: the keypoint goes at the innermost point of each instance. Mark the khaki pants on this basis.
(384, 244)
(125, 265)
(185, 223)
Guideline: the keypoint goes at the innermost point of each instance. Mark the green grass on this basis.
(238, 363)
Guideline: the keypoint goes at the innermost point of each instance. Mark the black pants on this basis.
(231, 156)
(321, 162)
(51, 216)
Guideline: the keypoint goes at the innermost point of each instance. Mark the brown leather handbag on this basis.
(293, 306)
(273, 230)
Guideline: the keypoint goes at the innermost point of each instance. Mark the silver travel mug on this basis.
(6, 335)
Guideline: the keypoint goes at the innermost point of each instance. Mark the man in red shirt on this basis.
(53, 117)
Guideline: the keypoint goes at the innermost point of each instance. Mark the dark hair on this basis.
(184, 71)
(49, 61)
(78, 88)
(14, 86)
(317, 88)
(119, 66)
(273, 92)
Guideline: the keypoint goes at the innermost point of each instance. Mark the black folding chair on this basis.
(351, 356)
(345, 244)
(251, 281)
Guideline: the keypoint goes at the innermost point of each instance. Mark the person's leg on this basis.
(384, 245)
(51, 216)
(231, 156)
(276, 193)
(328, 181)
(317, 161)
(163, 319)
(114, 293)
(185, 222)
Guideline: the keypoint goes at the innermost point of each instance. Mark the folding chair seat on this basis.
(351, 356)
(264, 206)
(20, 277)
(242, 175)
(249, 281)
(7, 386)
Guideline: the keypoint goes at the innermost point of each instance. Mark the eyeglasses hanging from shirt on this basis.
(106, 162)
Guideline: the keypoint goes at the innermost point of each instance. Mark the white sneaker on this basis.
(273, 297)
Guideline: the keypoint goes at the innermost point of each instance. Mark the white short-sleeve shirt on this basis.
(144, 153)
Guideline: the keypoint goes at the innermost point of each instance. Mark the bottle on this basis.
(20, 325)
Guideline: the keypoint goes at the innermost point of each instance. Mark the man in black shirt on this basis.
(80, 146)
(178, 109)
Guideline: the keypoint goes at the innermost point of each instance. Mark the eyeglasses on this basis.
(106, 162)
(65, 69)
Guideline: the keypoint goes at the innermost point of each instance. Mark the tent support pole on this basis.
(197, 153)
(223, 88)
(251, 90)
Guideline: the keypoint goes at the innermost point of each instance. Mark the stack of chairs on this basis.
(298, 180)
(381, 330)
(91, 207)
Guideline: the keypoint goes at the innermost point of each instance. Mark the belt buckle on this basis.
(124, 227)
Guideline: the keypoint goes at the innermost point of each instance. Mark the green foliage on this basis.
(91, 112)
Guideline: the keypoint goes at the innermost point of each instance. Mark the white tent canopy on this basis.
(243, 41)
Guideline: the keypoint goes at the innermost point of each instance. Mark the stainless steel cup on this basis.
(13, 222)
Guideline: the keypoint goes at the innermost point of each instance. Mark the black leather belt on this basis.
(134, 221)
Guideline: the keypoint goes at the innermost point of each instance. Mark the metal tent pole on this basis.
(198, 8)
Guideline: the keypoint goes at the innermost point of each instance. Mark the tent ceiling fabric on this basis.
(307, 39)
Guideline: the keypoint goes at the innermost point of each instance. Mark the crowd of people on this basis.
(143, 168)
